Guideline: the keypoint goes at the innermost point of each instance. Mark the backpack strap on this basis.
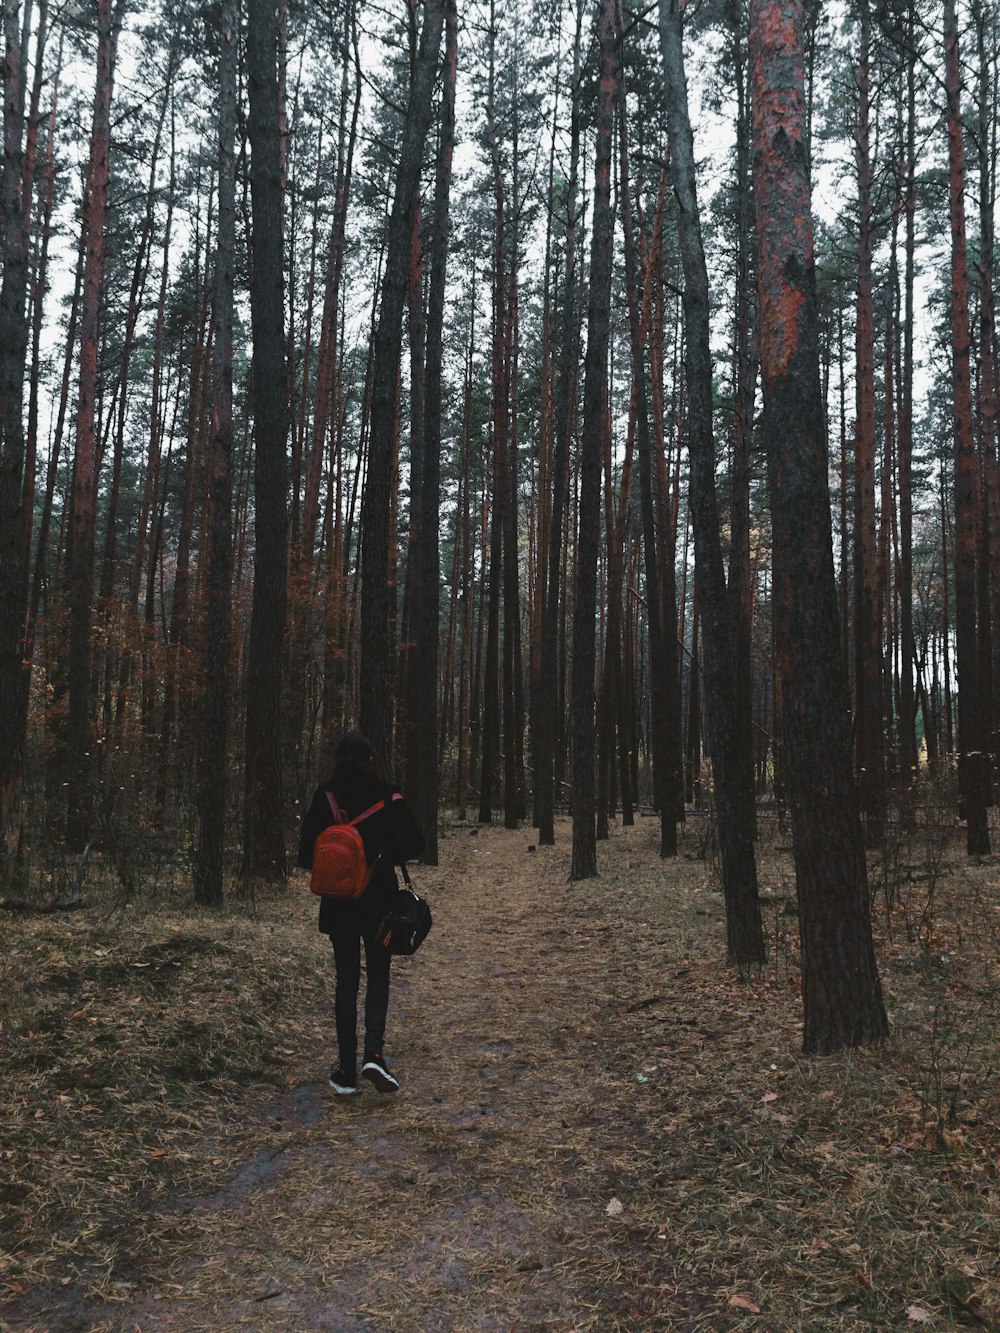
(372, 810)
(340, 818)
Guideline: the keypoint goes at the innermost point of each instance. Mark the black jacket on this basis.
(390, 837)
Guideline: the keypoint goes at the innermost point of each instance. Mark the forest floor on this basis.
(601, 1127)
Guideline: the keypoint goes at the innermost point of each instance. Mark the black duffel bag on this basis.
(404, 927)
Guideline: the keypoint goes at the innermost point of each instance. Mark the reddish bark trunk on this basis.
(842, 997)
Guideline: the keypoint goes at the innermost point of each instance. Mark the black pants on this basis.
(346, 941)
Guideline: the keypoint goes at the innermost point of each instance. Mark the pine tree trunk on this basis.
(988, 390)
(734, 793)
(740, 588)
(13, 352)
(907, 651)
(375, 701)
(81, 572)
(662, 696)
(547, 703)
(595, 424)
(842, 997)
(972, 765)
(177, 634)
(868, 648)
(264, 812)
(216, 629)
(468, 655)
(34, 583)
(513, 676)
(424, 782)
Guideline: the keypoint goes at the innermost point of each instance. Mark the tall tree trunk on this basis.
(81, 572)
(867, 637)
(375, 702)
(468, 659)
(216, 630)
(156, 391)
(13, 351)
(661, 624)
(907, 651)
(424, 783)
(513, 681)
(744, 386)
(36, 293)
(988, 390)
(33, 595)
(264, 813)
(595, 424)
(416, 323)
(491, 665)
(498, 701)
(972, 760)
(842, 997)
(547, 705)
(666, 683)
(733, 774)
(610, 717)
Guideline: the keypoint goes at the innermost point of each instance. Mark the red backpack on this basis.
(340, 869)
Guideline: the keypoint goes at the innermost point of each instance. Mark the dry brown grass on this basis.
(601, 1126)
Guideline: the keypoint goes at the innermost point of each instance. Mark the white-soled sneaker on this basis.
(343, 1081)
(376, 1071)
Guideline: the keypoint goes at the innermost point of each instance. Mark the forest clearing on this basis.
(600, 1127)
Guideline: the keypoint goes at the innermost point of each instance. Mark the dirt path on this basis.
(601, 1128)
(475, 1199)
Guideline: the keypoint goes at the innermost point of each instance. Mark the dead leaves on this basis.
(740, 1302)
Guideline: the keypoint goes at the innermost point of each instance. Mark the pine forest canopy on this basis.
(479, 378)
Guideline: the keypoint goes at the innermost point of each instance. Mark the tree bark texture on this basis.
(566, 375)
(867, 636)
(424, 783)
(988, 390)
(842, 998)
(264, 813)
(13, 350)
(907, 650)
(209, 858)
(81, 570)
(595, 424)
(374, 702)
(972, 758)
(731, 767)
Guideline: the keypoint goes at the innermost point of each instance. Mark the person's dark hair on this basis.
(352, 745)
(352, 757)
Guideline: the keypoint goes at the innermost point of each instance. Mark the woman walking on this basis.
(390, 835)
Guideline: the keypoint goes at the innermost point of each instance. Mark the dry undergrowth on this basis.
(601, 1126)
